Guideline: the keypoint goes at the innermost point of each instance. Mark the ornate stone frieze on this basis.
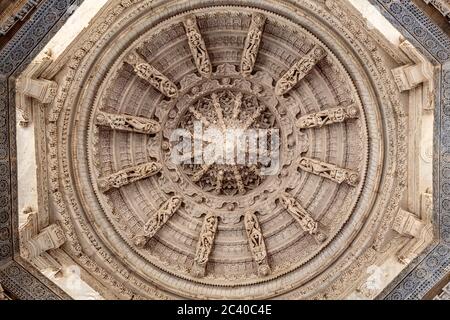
(198, 47)
(124, 122)
(328, 171)
(129, 175)
(17, 11)
(256, 243)
(327, 117)
(299, 70)
(252, 43)
(205, 245)
(157, 220)
(304, 219)
(150, 74)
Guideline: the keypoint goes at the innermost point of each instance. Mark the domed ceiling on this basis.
(154, 228)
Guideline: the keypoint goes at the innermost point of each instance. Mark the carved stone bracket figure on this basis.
(156, 222)
(410, 76)
(198, 47)
(327, 117)
(204, 245)
(307, 223)
(252, 43)
(129, 175)
(419, 230)
(299, 70)
(124, 122)
(443, 6)
(256, 243)
(30, 86)
(49, 238)
(150, 74)
(329, 171)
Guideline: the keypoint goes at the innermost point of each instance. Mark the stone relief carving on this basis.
(202, 195)
(124, 122)
(158, 219)
(198, 47)
(252, 42)
(304, 219)
(327, 117)
(329, 171)
(299, 70)
(205, 244)
(256, 243)
(149, 73)
(442, 5)
(129, 175)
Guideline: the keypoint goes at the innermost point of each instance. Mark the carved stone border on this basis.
(429, 268)
(24, 282)
(17, 277)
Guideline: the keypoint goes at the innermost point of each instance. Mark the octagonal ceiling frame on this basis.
(23, 281)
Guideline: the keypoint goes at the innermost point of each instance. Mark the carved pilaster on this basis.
(299, 70)
(304, 219)
(256, 243)
(198, 47)
(327, 117)
(30, 86)
(156, 222)
(412, 75)
(205, 245)
(329, 171)
(124, 122)
(129, 175)
(252, 42)
(150, 74)
(52, 237)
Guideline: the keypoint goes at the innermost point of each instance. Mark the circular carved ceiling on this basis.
(225, 230)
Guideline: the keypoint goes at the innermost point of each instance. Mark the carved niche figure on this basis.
(252, 43)
(129, 123)
(327, 117)
(158, 220)
(198, 47)
(256, 243)
(329, 171)
(205, 244)
(299, 70)
(149, 73)
(129, 175)
(307, 223)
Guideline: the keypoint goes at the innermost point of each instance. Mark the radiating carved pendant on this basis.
(299, 70)
(198, 47)
(252, 43)
(256, 243)
(124, 122)
(307, 223)
(327, 117)
(150, 74)
(205, 244)
(329, 171)
(156, 222)
(129, 175)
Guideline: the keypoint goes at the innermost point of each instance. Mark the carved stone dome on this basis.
(163, 229)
